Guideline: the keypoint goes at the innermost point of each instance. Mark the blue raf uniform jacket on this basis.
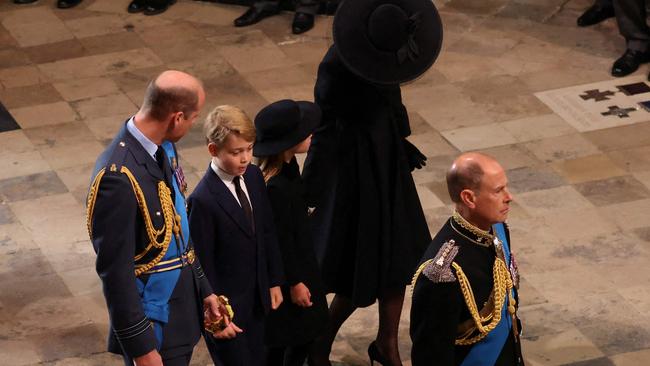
(118, 223)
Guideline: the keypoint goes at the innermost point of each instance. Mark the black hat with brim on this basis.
(388, 41)
(284, 124)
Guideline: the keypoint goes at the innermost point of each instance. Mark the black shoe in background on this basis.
(136, 6)
(158, 7)
(65, 4)
(302, 22)
(253, 15)
(594, 15)
(629, 62)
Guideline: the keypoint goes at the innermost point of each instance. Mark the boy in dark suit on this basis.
(232, 227)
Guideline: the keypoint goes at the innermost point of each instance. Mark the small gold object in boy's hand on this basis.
(221, 323)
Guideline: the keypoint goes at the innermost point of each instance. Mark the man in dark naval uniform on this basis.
(154, 286)
(465, 291)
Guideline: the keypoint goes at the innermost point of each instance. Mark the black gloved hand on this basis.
(415, 158)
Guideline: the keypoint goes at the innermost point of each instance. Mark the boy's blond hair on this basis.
(225, 120)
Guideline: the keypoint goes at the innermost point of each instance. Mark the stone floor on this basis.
(581, 222)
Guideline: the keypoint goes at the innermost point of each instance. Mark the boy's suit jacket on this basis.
(239, 263)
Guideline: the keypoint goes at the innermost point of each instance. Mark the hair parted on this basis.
(461, 178)
(225, 120)
(161, 102)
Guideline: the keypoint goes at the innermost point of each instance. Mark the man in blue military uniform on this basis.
(464, 309)
(154, 286)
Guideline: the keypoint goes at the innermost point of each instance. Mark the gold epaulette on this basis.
(438, 269)
(172, 221)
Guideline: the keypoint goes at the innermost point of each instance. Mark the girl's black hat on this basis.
(387, 41)
(284, 124)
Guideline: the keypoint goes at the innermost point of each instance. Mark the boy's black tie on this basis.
(243, 200)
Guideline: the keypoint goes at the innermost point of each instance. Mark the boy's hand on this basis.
(228, 332)
(300, 295)
(276, 297)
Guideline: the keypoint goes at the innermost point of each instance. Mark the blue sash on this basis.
(159, 287)
(486, 352)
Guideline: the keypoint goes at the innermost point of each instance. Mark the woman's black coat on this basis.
(368, 221)
(290, 324)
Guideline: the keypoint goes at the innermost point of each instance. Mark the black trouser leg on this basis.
(296, 355)
(631, 18)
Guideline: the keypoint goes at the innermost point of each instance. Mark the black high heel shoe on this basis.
(374, 355)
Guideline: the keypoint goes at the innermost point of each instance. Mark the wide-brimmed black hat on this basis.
(284, 124)
(387, 41)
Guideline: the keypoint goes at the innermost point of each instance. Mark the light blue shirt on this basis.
(148, 145)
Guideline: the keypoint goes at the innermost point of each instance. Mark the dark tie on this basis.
(163, 163)
(243, 200)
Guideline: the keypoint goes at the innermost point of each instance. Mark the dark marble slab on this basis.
(28, 289)
(612, 337)
(611, 249)
(79, 342)
(6, 215)
(7, 121)
(57, 51)
(613, 190)
(528, 179)
(25, 96)
(31, 186)
(25, 262)
(643, 233)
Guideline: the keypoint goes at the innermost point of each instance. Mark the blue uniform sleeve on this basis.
(114, 238)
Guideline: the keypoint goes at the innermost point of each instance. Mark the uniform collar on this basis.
(470, 231)
(149, 146)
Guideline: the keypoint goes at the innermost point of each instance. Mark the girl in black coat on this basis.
(284, 129)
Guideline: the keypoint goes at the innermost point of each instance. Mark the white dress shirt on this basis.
(227, 180)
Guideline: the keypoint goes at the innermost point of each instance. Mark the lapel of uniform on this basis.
(142, 156)
(227, 201)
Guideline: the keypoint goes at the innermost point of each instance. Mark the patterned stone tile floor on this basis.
(581, 222)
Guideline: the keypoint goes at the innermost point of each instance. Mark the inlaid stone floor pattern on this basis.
(580, 224)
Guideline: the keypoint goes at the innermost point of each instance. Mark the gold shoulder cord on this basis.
(502, 285)
(418, 272)
(172, 220)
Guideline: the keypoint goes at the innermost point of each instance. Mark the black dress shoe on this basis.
(24, 1)
(65, 4)
(136, 6)
(629, 62)
(302, 22)
(253, 15)
(158, 7)
(594, 15)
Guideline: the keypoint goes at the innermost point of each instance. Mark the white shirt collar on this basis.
(148, 145)
(223, 175)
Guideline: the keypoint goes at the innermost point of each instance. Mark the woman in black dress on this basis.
(284, 129)
(368, 221)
